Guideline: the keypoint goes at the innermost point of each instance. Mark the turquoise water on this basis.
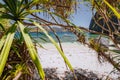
(63, 36)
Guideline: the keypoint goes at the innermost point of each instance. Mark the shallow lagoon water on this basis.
(63, 36)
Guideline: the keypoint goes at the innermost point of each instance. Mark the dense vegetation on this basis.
(18, 55)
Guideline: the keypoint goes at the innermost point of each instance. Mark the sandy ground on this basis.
(80, 56)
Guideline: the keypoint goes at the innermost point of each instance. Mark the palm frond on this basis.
(112, 8)
(32, 51)
(6, 48)
(56, 45)
(1, 26)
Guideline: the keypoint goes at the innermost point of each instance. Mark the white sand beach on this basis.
(80, 56)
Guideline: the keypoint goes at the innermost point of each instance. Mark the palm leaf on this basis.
(32, 50)
(56, 45)
(26, 6)
(7, 16)
(11, 5)
(35, 11)
(113, 9)
(6, 48)
(2, 40)
(2, 27)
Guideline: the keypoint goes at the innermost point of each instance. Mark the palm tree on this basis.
(23, 13)
(17, 52)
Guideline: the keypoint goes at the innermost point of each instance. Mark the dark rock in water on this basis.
(80, 75)
(95, 27)
(51, 74)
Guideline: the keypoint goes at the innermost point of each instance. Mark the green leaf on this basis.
(25, 7)
(6, 48)
(113, 9)
(16, 51)
(11, 5)
(32, 51)
(116, 51)
(2, 40)
(34, 11)
(7, 16)
(56, 45)
(2, 27)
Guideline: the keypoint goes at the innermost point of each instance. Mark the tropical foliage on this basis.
(17, 11)
(106, 9)
(18, 55)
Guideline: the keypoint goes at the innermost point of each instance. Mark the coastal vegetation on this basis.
(18, 54)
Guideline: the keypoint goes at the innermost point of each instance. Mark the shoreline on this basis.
(80, 56)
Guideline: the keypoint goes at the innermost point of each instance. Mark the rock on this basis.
(79, 74)
(51, 74)
(95, 27)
